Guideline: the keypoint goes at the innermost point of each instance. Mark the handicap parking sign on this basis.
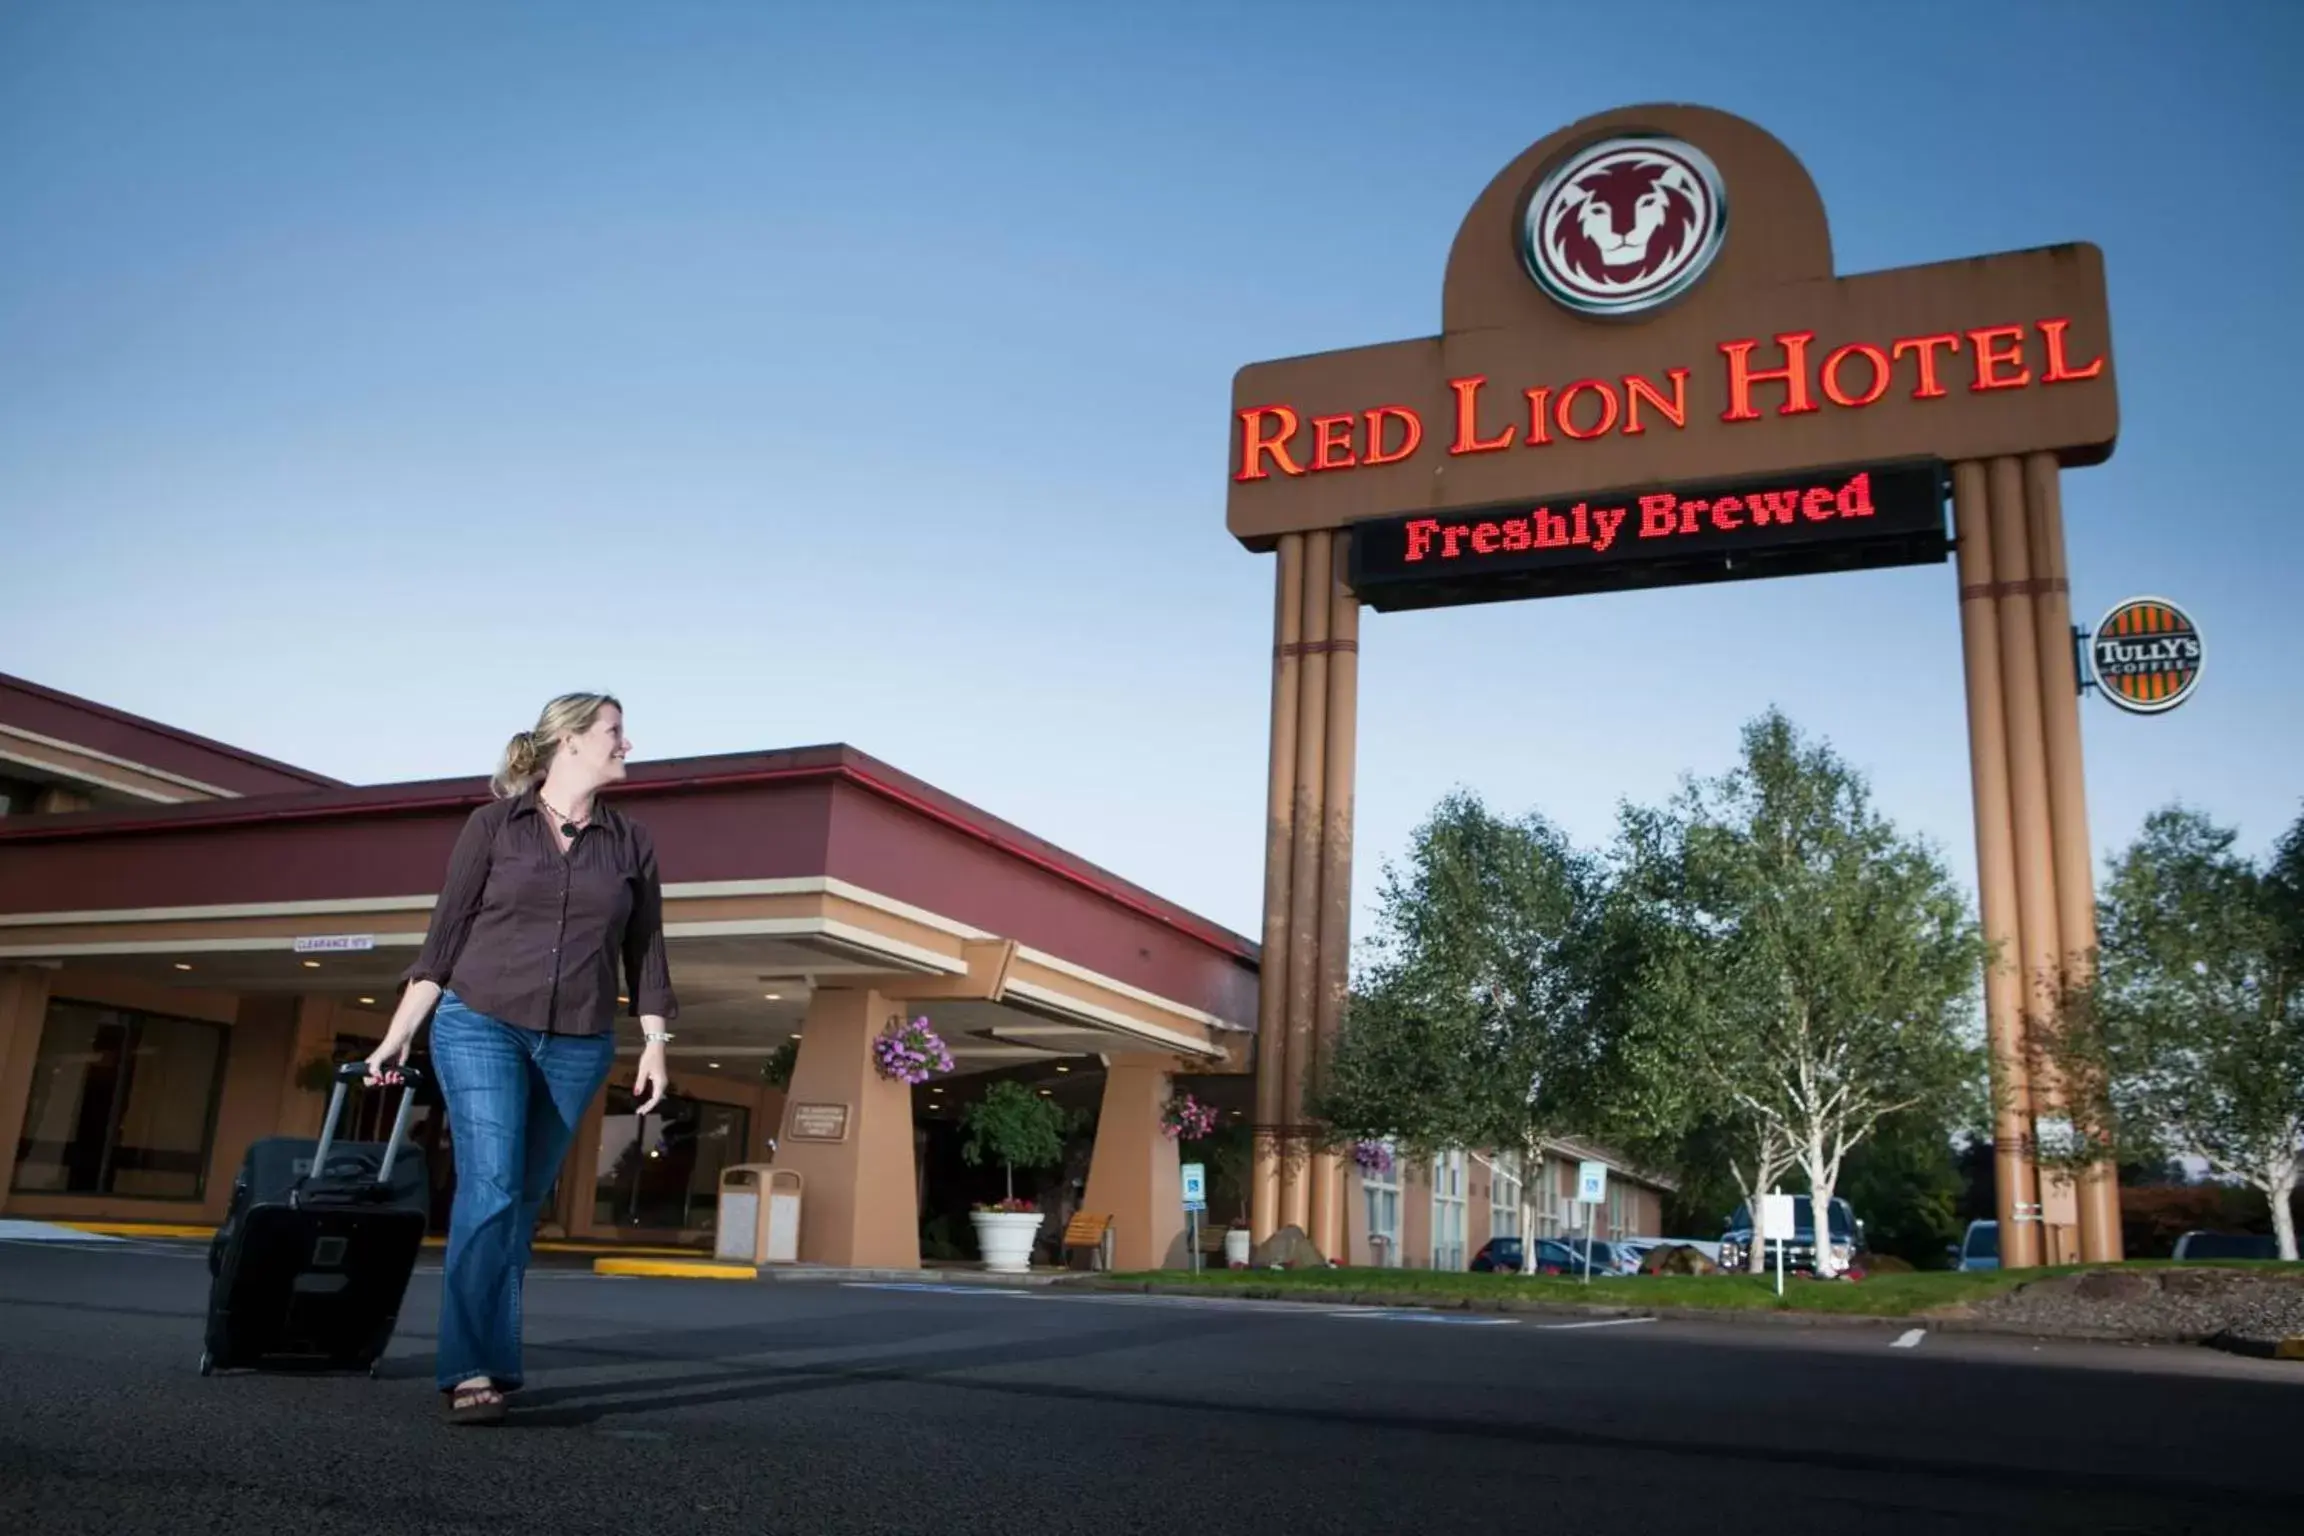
(1195, 1186)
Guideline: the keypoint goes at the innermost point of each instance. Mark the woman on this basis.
(547, 894)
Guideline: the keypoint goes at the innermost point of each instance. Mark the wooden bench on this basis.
(1087, 1230)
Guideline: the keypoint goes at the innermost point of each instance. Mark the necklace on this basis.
(569, 826)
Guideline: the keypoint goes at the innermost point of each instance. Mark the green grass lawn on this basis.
(1878, 1296)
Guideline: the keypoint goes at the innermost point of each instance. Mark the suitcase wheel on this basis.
(207, 1363)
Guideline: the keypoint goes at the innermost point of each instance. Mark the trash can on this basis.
(759, 1215)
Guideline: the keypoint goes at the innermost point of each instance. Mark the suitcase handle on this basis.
(348, 1073)
(357, 1072)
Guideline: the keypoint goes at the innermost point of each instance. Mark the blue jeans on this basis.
(515, 1097)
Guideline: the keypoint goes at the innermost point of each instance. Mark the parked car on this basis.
(1631, 1250)
(1847, 1236)
(1608, 1258)
(1502, 1255)
(2226, 1245)
(1978, 1248)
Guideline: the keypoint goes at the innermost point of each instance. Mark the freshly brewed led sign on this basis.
(1827, 520)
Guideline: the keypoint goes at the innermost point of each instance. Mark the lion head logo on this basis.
(1625, 225)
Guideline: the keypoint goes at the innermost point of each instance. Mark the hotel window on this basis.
(123, 1103)
(1448, 1211)
(1547, 1198)
(1381, 1189)
(1504, 1196)
(661, 1172)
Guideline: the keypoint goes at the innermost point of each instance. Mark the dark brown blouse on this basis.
(534, 937)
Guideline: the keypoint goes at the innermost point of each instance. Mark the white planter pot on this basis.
(1237, 1246)
(1004, 1238)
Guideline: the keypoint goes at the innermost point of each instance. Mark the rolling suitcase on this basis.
(314, 1255)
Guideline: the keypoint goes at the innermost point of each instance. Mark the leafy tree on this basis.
(1811, 970)
(2191, 1038)
(1907, 1185)
(1654, 1014)
(1466, 1027)
(1014, 1126)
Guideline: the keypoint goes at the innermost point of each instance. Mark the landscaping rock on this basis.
(1287, 1248)
(2176, 1305)
(1677, 1259)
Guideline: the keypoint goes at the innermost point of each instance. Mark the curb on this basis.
(680, 1269)
(1392, 1301)
(690, 1267)
(136, 1229)
(2291, 1348)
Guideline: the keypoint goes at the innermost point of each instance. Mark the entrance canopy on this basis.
(786, 873)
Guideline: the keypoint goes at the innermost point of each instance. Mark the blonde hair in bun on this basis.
(528, 755)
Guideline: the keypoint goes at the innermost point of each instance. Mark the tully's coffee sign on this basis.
(1827, 521)
(2146, 655)
(1648, 300)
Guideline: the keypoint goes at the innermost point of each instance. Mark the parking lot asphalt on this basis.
(672, 1406)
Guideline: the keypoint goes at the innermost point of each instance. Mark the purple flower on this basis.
(910, 1053)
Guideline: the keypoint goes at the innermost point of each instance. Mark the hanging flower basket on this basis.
(1187, 1119)
(1372, 1157)
(910, 1053)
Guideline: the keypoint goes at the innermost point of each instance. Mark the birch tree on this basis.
(1651, 1013)
(1821, 965)
(1460, 1032)
(2192, 1038)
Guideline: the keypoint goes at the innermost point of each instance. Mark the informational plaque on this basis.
(819, 1122)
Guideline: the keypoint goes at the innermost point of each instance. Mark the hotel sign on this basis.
(1648, 300)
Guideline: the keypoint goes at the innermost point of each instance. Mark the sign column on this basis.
(1304, 975)
(2015, 1192)
(2099, 1192)
(1269, 1142)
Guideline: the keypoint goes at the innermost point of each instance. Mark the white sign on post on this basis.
(1779, 1220)
(1195, 1186)
(1591, 1182)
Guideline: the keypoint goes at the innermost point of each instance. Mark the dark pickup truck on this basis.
(1800, 1253)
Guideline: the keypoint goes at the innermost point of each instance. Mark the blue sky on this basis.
(369, 373)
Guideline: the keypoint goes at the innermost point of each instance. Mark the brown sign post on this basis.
(1649, 374)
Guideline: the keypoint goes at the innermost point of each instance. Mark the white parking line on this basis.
(1910, 1339)
(1456, 1318)
(1605, 1322)
(939, 1290)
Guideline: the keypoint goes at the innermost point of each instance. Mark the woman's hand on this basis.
(385, 1062)
(650, 1080)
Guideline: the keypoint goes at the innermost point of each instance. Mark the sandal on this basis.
(475, 1405)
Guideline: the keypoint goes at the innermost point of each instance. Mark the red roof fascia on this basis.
(841, 764)
(168, 733)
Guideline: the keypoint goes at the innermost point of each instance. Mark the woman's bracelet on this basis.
(657, 1036)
